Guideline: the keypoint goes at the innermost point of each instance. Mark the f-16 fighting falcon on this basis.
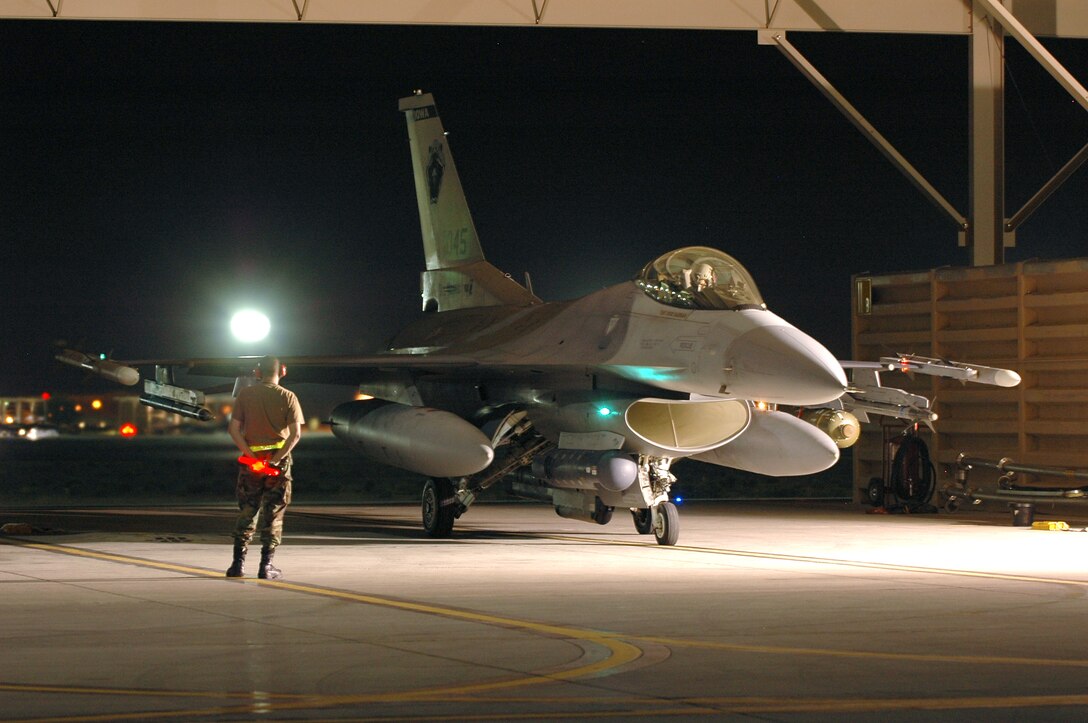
(584, 403)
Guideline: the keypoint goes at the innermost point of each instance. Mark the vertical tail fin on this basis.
(457, 275)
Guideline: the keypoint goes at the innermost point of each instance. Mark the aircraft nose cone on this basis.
(782, 365)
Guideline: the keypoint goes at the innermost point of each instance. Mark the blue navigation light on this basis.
(604, 411)
(678, 501)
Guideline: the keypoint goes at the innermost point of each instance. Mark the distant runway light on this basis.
(249, 325)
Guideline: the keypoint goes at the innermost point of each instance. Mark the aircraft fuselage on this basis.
(619, 332)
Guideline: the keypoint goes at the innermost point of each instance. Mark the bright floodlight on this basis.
(249, 325)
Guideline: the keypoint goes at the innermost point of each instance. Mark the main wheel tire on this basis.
(438, 517)
(644, 520)
(667, 524)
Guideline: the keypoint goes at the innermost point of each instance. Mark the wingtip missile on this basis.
(997, 377)
(102, 367)
(994, 376)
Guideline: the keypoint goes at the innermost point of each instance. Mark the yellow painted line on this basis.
(108, 557)
(787, 557)
(859, 654)
(621, 653)
(137, 692)
(605, 638)
(717, 706)
(147, 715)
(680, 707)
(630, 713)
(626, 714)
(853, 705)
(893, 567)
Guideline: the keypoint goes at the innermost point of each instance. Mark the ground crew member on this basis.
(266, 424)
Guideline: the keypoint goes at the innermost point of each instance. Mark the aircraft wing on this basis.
(319, 369)
(384, 375)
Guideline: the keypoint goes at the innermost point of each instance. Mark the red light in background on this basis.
(128, 429)
(46, 396)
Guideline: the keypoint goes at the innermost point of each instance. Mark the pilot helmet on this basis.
(702, 276)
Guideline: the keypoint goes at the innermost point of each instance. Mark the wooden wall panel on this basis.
(1031, 317)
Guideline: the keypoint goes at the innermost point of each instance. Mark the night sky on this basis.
(156, 177)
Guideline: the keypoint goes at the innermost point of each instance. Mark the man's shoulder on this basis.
(284, 391)
(252, 390)
(263, 389)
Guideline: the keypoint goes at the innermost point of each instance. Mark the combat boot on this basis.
(238, 567)
(268, 571)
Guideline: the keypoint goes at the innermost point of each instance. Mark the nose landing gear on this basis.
(661, 516)
(666, 523)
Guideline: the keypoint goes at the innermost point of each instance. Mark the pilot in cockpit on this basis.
(699, 277)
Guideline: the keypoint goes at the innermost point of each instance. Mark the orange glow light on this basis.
(96, 404)
(128, 429)
(257, 466)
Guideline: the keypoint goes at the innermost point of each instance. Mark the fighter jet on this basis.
(584, 403)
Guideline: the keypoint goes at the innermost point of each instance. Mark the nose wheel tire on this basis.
(438, 507)
(666, 523)
(644, 520)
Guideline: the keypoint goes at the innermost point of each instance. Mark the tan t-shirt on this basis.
(265, 412)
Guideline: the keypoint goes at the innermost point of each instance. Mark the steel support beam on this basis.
(983, 21)
(1048, 188)
(1043, 56)
(910, 16)
(778, 38)
(1016, 29)
(986, 236)
(1055, 18)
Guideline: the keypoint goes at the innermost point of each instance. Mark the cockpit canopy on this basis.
(698, 277)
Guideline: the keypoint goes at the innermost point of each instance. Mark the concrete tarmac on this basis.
(771, 612)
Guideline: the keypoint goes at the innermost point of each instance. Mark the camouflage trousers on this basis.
(262, 500)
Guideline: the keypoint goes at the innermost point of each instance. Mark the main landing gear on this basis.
(444, 500)
(439, 507)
